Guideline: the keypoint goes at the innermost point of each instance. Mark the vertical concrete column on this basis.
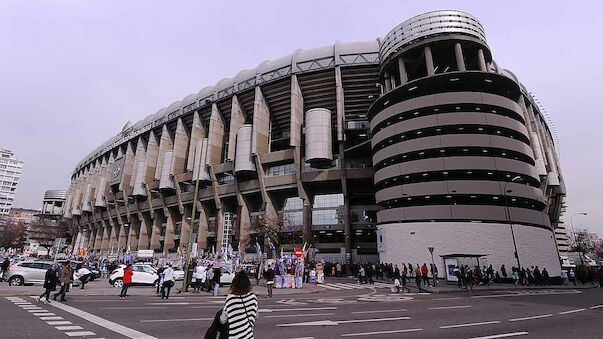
(297, 113)
(146, 225)
(138, 166)
(203, 227)
(122, 239)
(168, 239)
(126, 174)
(215, 136)
(165, 144)
(151, 158)
(185, 226)
(181, 144)
(98, 239)
(429, 61)
(85, 236)
(219, 230)
(114, 233)
(237, 119)
(197, 134)
(133, 233)
(402, 71)
(481, 60)
(307, 218)
(388, 84)
(261, 124)
(340, 104)
(156, 232)
(106, 227)
(460, 59)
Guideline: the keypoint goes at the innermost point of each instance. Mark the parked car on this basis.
(143, 274)
(27, 272)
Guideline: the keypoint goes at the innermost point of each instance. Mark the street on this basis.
(337, 309)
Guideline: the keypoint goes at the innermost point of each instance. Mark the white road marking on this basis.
(132, 308)
(297, 315)
(125, 331)
(51, 318)
(270, 310)
(573, 311)
(330, 287)
(36, 310)
(342, 286)
(379, 311)
(504, 335)
(303, 338)
(382, 332)
(337, 322)
(534, 317)
(452, 298)
(68, 328)
(168, 320)
(43, 314)
(449, 307)
(596, 306)
(212, 306)
(472, 324)
(170, 304)
(61, 322)
(80, 334)
(526, 294)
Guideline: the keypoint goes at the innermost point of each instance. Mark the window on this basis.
(326, 217)
(285, 169)
(328, 200)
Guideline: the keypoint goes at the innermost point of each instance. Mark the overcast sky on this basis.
(72, 73)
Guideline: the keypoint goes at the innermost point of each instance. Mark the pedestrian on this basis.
(469, 279)
(457, 274)
(126, 281)
(424, 273)
(168, 282)
(216, 279)
(403, 282)
(503, 271)
(418, 277)
(50, 283)
(160, 280)
(82, 274)
(369, 274)
(362, 275)
(269, 276)
(5, 266)
(258, 274)
(200, 275)
(64, 280)
(545, 276)
(434, 274)
(237, 318)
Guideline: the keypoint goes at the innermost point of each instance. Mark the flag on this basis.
(258, 249)
(272, 248)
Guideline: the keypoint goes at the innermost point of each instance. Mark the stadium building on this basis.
(370, 151)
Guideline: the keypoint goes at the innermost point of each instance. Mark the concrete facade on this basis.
(420, 128)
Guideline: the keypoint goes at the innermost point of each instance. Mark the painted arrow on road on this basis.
(291, 302)
(339, 322)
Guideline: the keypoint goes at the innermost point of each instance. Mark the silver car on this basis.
(27, 272)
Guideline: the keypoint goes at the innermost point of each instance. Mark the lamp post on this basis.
(505, 191)
(574, 233)
(189, 243)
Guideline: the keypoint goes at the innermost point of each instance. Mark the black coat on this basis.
(50, 279)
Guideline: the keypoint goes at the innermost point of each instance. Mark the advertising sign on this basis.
(381, 240)
(116, 171)
(451, 264)
(145, 253)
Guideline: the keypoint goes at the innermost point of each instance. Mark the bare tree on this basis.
(281, 231)
(12, 233)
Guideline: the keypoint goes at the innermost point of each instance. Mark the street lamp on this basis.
(505, 191)
(574, 233)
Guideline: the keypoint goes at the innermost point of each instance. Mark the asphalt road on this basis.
(344, 310)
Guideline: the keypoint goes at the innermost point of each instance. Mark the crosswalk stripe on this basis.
(344, 286)
(329, 287)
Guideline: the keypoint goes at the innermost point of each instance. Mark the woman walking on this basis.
(50, 283)
(237, 319)
(126, 280)
(65, 280)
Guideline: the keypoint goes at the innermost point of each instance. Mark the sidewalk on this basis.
(101, 287)
(444, 287)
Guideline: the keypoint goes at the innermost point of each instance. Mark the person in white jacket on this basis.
(82, 274)
(200, 275)
(168, 281)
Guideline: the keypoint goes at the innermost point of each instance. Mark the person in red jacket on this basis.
(127, 280)
(424, 272)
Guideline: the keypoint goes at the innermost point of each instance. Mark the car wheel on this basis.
(118, 283)
(15, 281)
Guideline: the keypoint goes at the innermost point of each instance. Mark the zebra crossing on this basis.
(353, 286)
